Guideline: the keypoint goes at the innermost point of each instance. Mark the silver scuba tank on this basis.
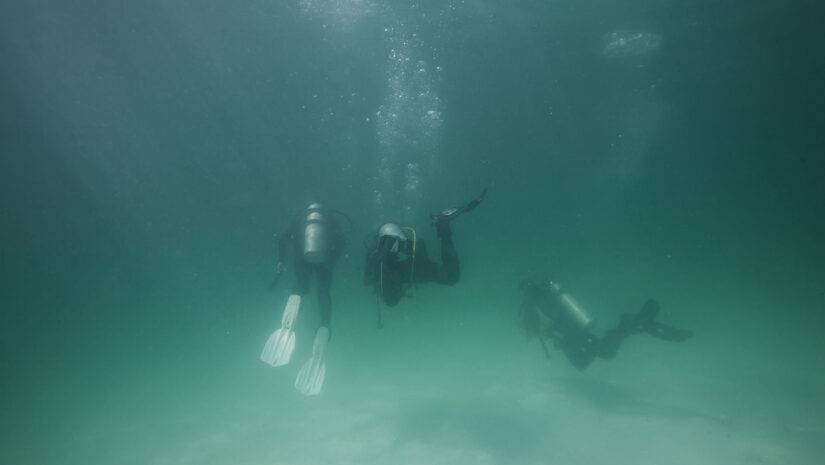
(315, 234)
(571, 307)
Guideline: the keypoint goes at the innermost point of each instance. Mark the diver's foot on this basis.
(632, 323)
(444, 217)
(324, 328)
(441, 221)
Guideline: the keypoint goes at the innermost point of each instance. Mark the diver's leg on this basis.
(580, 348)
(629, 324)
(311, 377)
(609, 345)
(303, 277)
(324, 273)
(580, 355)
(644, 321)
(647, 315)
(450, 271)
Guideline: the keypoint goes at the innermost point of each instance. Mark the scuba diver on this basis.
(315, 241)
(397, 259)
(551, 314)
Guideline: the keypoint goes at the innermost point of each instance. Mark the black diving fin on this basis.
(445, 216)
(668, 333)
(646, 321)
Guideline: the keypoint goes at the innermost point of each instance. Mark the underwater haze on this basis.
(153, 153)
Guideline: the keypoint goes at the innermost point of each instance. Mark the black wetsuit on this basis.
(391, 278)
(579, 344)
(292, 242)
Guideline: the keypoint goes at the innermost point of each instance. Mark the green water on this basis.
(152, 153)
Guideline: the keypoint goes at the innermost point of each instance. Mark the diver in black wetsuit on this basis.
(315, 241)
(552, 315)
(397, 259)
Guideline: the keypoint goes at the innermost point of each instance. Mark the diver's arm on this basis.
(286, 240)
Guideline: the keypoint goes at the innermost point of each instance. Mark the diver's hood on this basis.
(393, 241)
(392, 230)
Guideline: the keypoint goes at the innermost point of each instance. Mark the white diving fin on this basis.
(310, 379)
(281, 343)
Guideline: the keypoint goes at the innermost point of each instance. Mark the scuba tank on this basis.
(315, 234)
(577, 314)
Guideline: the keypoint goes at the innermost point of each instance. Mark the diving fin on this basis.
(310, 379)
(669, 333)
(281, 343)
(646, 321)
(445, 216)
